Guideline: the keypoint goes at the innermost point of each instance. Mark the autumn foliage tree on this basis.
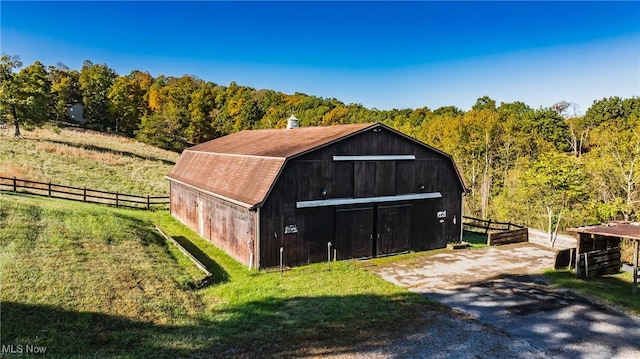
(24, 95)
(506, 152)
(95, 83)
(65, 90)
(554, 183)
(614, 161)
(128, 100)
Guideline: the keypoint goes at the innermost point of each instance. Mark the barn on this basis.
(367, 189)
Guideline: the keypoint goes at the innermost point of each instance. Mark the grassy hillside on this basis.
(86, 280)
(82, 158)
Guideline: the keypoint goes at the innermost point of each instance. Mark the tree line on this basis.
(545, 167)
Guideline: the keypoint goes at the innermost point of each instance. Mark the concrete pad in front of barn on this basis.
(467, 266)
(501, 287)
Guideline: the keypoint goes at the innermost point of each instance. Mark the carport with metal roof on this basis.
(600, 243)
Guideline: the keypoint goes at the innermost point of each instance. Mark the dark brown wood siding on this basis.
(407, 225)
(228, 226)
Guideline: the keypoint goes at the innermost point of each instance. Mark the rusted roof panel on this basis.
(282, 143)
(612, 229)
(245, 179)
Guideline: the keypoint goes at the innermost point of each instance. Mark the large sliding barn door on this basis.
(372, 230)
(353, 235)
(393, 225)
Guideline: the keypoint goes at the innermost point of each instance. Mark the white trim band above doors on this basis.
(343, 201)
(375, 158)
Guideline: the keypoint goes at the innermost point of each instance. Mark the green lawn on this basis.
(87, 280)
(477, 240)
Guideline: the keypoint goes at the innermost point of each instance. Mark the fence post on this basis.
(116, 199)
(84, 195)
(14, 183)
(148, 204)
(488, 227)
(49, 188)
(586, 264)
(329, 254)
(281, 265)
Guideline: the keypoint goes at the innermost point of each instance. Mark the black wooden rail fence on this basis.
(598, 262)
(84, 194)
(488, 225)
(498, 233)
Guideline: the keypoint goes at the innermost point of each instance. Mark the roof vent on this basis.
(292, 122)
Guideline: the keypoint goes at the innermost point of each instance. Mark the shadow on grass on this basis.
(273, 327)
(145, 232)
(219, 274)
(108, 150)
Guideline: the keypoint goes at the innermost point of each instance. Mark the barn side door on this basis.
(354, 232)
(201, 217)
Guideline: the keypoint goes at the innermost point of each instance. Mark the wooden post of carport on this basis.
(635, 266)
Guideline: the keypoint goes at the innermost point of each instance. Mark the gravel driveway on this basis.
(517, 314)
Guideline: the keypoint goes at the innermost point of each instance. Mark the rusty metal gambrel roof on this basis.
(619, 229)
(280, 143)
(242, 167)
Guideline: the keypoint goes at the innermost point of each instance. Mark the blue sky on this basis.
(379, 54)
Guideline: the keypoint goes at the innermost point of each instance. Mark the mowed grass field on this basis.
(83, 158)
(87, 280)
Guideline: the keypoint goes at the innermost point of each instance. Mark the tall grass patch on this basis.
(83, 158)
